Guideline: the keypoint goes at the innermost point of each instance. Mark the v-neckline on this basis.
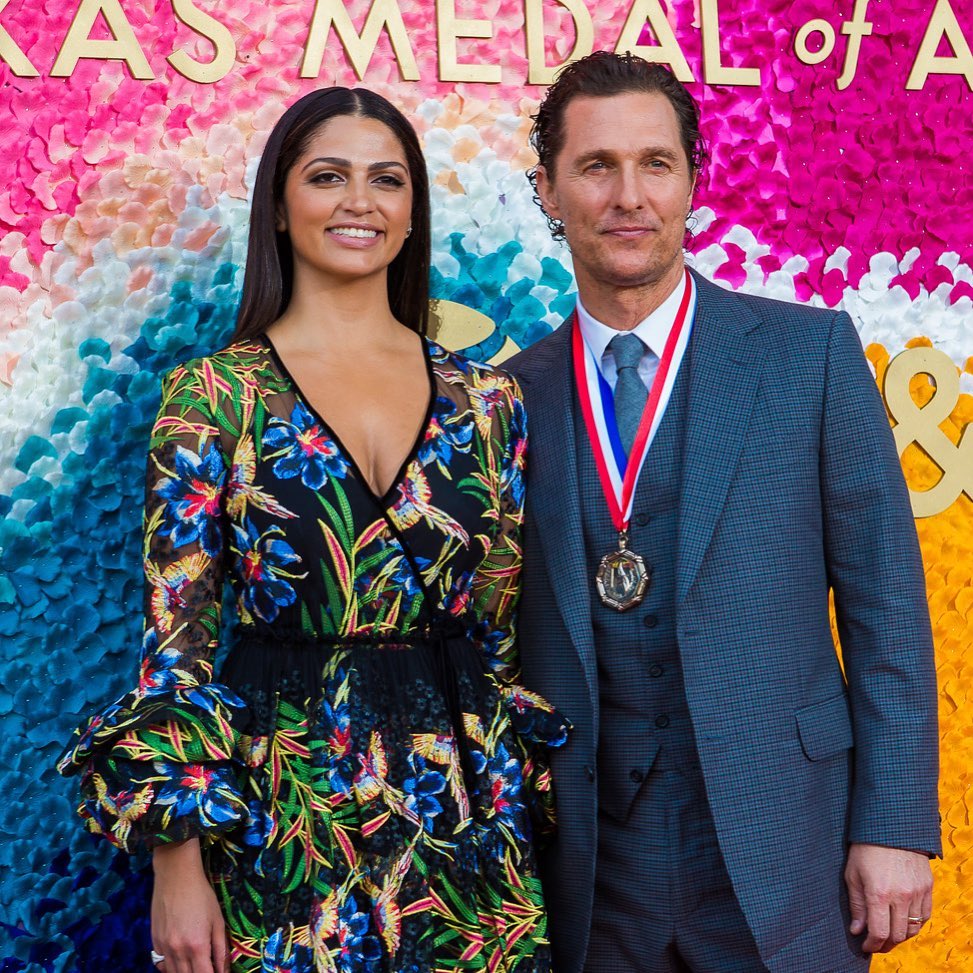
(381, 499)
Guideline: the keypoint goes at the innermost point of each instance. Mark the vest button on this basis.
(650, 621)
(662, 721)
(589, 772)
(655, 670)
(636, 776)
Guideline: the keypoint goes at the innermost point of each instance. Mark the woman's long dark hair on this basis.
(269, 275)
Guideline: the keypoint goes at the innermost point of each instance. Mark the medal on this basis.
(622, 578)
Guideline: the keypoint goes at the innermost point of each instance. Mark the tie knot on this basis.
(628, 349)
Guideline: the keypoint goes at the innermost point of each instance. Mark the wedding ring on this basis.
(915, 920)
(156, 958)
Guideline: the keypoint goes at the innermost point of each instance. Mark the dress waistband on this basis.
(442, 628)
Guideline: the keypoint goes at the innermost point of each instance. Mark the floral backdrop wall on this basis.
(123, 209)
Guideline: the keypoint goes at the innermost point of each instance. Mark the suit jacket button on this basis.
(636, 776)
(642, 519)
(655, 670)
(589, 772)
(650, 621)
(662, 721)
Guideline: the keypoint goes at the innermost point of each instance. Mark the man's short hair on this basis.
(602, 75)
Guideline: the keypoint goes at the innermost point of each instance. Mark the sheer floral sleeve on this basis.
(160, 764)
(496, 590)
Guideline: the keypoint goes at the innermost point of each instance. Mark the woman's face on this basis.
(347, 202)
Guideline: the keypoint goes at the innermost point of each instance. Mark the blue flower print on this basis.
(360, 953)
(336, 724)
(447, 432)
(199, 789)
(489, 639)
(282, 955)
(421, 790)
(157, 673)
(512, 467)
(262, 559)
(192, 495)
(259, 824)
(506, 787)
(303, 448)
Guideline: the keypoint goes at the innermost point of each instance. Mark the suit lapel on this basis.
(553, 488)
(724, 377)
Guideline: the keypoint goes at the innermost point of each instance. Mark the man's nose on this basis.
(628, 189)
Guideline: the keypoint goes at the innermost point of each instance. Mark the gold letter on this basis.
(826, 31)
(666, 52)
(538, 71)
(943, 22)
(78, 43)
(714, 71)
(13, 55)
(216, 33)
(359, 47)
(856, 28)
(450, 27)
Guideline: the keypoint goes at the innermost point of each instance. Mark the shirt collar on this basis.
(653, 330)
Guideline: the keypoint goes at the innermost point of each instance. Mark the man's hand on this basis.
(887, 886)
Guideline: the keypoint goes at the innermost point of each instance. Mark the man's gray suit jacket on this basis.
(791, 490)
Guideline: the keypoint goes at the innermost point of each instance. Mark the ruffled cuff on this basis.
(161, 767)
(534, 718)
(540, 726)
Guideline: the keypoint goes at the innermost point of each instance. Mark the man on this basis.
(731, 799)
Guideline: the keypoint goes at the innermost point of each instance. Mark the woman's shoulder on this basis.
(238, 366)
(477, 376)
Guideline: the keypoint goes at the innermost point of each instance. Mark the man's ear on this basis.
(547, 194)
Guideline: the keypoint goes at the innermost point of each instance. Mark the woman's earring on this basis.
(407, 232)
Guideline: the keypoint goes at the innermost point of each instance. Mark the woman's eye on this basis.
(325, 177)
(390, 181)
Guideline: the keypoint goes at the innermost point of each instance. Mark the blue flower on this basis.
(336, 724)
(360, 953)
(192, 511)
(421, 790)
(448, 431)
(202, 789)
(303, 448)
(259, 824)
(489, 638)
(262, 558)
(282, 955)
(506, 787)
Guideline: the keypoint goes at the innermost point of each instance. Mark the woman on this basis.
(354, 792)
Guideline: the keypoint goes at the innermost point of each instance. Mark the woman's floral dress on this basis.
(365, 773)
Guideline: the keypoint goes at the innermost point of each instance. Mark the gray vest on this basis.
(644, 721)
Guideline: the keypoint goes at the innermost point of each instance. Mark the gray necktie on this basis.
(630, 390)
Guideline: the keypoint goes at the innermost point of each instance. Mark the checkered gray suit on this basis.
(791, 488)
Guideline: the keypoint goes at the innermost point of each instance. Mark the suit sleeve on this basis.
(875, 570)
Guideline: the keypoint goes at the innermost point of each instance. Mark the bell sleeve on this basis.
(496, 592)
(162, 764)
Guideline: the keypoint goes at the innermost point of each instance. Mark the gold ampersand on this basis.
(920, 425)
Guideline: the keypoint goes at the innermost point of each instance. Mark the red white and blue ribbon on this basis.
(617, 472)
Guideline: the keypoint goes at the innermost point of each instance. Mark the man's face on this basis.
(622, 187)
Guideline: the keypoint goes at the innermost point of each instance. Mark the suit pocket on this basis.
(825, 728)
(623, 766)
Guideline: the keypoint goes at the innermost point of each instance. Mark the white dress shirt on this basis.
(653, 330)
